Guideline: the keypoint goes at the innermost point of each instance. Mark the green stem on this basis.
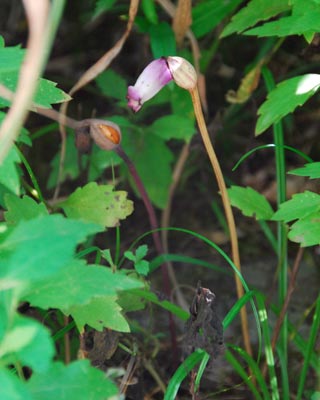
(281, 227)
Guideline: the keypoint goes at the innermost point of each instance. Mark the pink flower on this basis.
(156, 75)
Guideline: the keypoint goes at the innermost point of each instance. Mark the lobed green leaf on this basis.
(311, 170)
(24, 208)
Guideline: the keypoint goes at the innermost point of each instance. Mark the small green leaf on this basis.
(285, 98)
(76, 284)
(173, 127)
(39, 247)
(20, 209)
(112, 84)
(141, 252)
(12, 388)
(312, 170)
(208, 14)
(101, 312)
(102, 6)
(254, 12)
(162, 40)
(250, 202)
(142, 267)
(300, 206)
(306, 231)
(98, 204)
(77, 380)
(27, 342)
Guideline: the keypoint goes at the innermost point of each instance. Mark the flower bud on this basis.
(106, 134)
(183, 73)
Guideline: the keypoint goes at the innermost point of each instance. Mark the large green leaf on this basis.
(173, 127)
(304, 19)
(300, 206)
(70, 166)
(98, 204)
(112, 84)
(162, 40)
(46, 94)
(101, 312)
(152, 159)
(312, 170)
(28, 342)
(12, 388)
(77, 380)
(285, 98)
(39, 247)
(250, 202)
(306, 231)
(11, 58)
(208, 14)
(253, 12)
(9, 175)
(24, 208)
(76, 284)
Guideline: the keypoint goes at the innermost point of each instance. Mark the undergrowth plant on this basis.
(63, 288)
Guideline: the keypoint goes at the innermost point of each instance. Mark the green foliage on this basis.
(140, 265)
(173, 127)
(250, 202)
(312, 170)
(98, 204)
(24, 208)
(9, 175)
(254, 12)
(103, 6)
(285, 98)
(76, 380)
(112, 85)
(305, 207)
(208, 14)
(11, 58)
(162, 40)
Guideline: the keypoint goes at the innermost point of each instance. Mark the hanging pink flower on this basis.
(156, 75)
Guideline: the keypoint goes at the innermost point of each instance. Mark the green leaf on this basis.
(300, 206)
(285, 98)
(141, 252)
(152, 159)
(20, 209)
(76, 284)
(10, 59)
(9, 175)
(302, 21)
(208, 14)
(102, 6)
(254, 12)
(162, 40)
(98, 204)
(12, 388)
(173, 127)
(306, 231)
(149, 10)
(312, 170)
(77, 380)
(39, 247)
(27, 342)
(142, 267)
(46, 94)
(182, 372)
(250, 202)
(112, 84)
(101, 312)
(70, 167)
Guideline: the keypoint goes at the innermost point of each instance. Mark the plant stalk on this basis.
(227, 208)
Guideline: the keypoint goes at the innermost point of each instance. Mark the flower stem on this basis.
(227, 208)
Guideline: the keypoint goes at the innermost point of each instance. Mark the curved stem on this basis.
(227, 208)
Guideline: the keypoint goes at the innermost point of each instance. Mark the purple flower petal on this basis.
(152, 79)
